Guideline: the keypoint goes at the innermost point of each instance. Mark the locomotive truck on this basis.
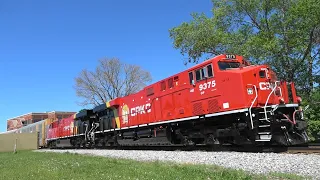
(223, 100)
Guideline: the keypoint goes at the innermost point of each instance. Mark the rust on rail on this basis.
(304, 150)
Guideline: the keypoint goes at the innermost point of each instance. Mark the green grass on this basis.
(50, 166)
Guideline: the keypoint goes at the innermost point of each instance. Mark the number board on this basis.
(230, 56)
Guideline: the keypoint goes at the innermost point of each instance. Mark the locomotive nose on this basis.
(269, 90)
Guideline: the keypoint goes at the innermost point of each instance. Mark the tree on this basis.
(282, 33)
(111, 79)
(312, 114)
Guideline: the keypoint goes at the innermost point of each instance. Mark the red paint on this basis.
(174, 97)
(61, 128)
(52, 131)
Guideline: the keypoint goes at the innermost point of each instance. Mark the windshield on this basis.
(224, 65)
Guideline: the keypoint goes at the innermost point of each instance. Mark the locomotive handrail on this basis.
(85, 135)
(279, 89)
(255, 89)
(265, 106)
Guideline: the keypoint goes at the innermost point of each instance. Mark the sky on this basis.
(45, 44)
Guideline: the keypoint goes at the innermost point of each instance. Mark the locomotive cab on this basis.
(272, 106)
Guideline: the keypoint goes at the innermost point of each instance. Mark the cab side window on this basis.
(210, 71)
(198, 75)
(205, 72)
(191, 77)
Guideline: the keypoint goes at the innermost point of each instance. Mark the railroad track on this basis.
(211, 148)
(304, 150)
(309, 149)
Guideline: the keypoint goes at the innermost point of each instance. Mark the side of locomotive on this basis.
(221, 100)
(61, 131)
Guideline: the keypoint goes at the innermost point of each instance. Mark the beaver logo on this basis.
(125, 114)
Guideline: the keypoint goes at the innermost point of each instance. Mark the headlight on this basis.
(250, 91)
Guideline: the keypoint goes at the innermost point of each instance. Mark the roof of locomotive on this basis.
(213, 59)
(216, 59)
(83, 114)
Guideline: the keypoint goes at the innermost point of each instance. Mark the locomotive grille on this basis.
(197, 108)
(213, 106)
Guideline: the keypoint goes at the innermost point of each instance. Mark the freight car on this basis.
(41, 127)
(223, 100)
(9, 132)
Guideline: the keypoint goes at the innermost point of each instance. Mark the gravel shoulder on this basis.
(257, 163)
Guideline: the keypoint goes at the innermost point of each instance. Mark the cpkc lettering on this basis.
(142, 109)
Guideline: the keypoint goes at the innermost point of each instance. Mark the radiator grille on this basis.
(197, 108)
(213, 106)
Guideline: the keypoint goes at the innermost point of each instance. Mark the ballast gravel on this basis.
(260, 163)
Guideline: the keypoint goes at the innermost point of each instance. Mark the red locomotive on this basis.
(222, 100)
(60, 130)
